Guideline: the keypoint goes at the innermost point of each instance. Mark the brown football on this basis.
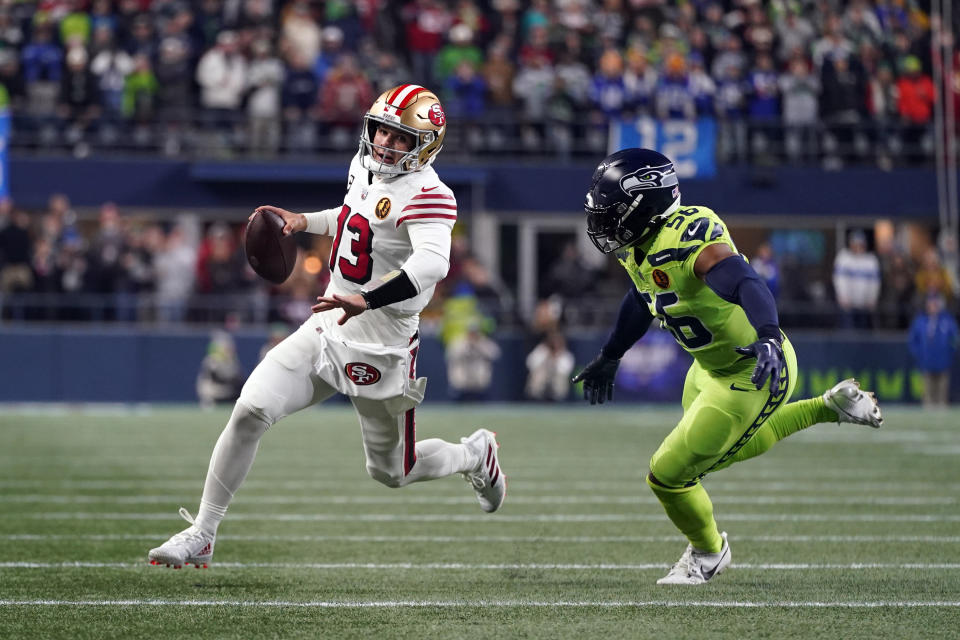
(271, 254)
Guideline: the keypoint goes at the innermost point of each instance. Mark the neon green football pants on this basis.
(725, 420)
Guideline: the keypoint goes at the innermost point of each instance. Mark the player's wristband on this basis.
(396, 289)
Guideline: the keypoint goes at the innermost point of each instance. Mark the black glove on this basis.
(598, 378)
(770, 362)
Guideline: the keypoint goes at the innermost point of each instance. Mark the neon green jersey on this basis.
(708, 327)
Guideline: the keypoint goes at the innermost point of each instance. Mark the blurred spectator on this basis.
(702, 86)
(766, 267)
(856, 282)
(387, 72)
(41, 62)
(470, 357)
(263, 102)
(800, 92)
(533, 86)
(110, 65)
(300, 93)
(833, 45)
(300, 31)
(221, 375)
(175, 268)
(498, 71)
(794, 33)
(15, 251)
(426, 22)
(466, 103)
(140, 93)
(461, 49)
(549, 366)
(175, 92)
(933, 278)
(763, 106)
(220, 263)
(842, 107)
(608, 93)
(896, 293)
(222, 76)
(570, 276)
(933, 343)
(883, 104)
(916, 96)
(674, 95)
(345, 97)
(12, 80)
(731, 105)
(76, 25)
(332, 40)
(79, 96)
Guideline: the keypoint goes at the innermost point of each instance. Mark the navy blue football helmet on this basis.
(632, 194)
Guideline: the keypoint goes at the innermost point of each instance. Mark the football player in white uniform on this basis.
(391, 245)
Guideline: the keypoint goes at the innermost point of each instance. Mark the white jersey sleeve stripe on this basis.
(425, 216)
(429, 205)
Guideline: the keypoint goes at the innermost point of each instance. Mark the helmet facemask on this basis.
(412, 110)
(619, 226)
(408, 162)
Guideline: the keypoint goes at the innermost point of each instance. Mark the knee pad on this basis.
(248, 421)
(393, 480)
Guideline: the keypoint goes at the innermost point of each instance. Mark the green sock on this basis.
(691, 511)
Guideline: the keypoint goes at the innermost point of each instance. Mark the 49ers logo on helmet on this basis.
(437, 117)
(361, 373)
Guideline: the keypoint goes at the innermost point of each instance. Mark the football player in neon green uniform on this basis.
(687, 272)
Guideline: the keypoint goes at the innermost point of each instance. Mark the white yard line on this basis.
(450, 500)
(485, 604)
(506, 566)
(499, 518)
(42, 537)
(758, 485)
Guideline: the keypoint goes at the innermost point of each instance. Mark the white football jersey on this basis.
(370, 240)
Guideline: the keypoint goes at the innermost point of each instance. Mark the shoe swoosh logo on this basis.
(709, 574)
(424, 189)
(736, 388)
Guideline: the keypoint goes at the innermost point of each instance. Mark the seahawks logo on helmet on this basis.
(649, 178)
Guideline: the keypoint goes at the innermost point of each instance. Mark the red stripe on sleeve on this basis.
(429, 196)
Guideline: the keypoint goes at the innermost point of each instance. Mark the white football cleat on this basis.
(190, 546)
(852, 404)
(488, 481)
(696, 567)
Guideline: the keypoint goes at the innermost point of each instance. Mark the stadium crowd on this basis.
(133, 267)
(803, 79)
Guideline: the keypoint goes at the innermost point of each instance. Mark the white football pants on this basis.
(275, 390)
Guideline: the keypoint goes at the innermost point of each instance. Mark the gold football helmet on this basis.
(414, 110)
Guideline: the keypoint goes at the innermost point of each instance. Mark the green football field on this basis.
(838, 531)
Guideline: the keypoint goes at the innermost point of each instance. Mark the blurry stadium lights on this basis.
(312, 265)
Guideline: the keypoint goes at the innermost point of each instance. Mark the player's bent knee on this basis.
(392, 479)
(248, 420)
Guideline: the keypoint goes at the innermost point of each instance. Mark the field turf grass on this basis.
(837, 532)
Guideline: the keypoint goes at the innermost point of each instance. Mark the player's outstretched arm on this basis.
(731, 278)
(598, 376)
